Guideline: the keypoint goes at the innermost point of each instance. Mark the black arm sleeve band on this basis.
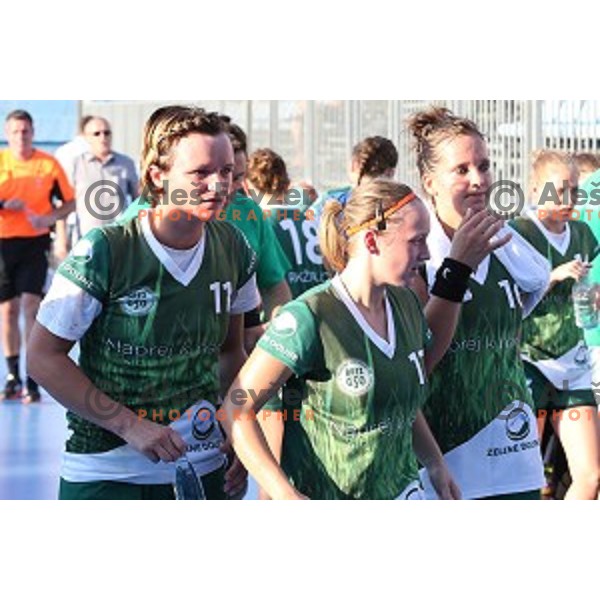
(252, 318)
(451, 280)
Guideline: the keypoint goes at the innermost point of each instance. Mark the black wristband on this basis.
(252, 318)
(451, 280)
(2, 204)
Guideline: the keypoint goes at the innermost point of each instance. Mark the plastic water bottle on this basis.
(584, 302)
(188, 486)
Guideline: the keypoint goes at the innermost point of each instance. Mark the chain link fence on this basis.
(315, 137)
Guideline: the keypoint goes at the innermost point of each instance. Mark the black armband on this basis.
(451, 280)
(2, 204)
(252, 318)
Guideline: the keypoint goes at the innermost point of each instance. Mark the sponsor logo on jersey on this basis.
(204, 422)
(82, 251)
(582, 356)
(306, 277)
(138, 302)
(517, 419)
(285, 325)
(517, 424)
(389, 426)
(354, 377)
(414, 493)
(279, 347)
(69, 269)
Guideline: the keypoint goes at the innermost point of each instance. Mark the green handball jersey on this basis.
(480, 409)
(297, 232)
(355, 395)
(154, 346)
(242, 212)
(271, 261)
(552, 342)
(590, 214)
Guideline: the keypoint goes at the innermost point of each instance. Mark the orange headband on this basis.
(381, 218)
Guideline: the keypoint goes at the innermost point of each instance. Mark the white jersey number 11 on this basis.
(215, 288)
(414, 359)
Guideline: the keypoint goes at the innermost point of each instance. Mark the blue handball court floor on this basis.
(31, 441)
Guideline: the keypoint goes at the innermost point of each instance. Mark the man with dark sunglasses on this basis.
(104, 180)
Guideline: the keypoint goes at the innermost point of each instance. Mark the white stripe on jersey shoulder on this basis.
(67, 310)
(183, 277)
(559, 241)
(388, 347)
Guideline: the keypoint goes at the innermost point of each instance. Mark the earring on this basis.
(371, 242)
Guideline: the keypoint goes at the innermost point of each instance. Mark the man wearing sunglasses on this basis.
(105, 181)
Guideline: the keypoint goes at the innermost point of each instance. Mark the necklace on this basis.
(367, 315)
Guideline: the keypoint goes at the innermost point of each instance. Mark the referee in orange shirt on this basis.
(29, 180)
